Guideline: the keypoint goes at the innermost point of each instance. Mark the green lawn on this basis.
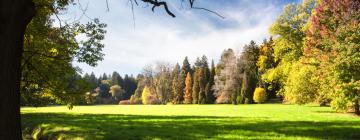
(266, 121)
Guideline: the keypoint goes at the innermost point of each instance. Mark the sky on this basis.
(131, 42)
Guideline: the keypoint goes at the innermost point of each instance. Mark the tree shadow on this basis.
(326, 111)
(114, 126)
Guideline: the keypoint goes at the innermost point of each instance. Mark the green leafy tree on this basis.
(48, 53)
(16, 15)
(249, 70)
(290, 32)
(195, 88)
(266, 62)
(302, 84)
(333, 46)
(209, 91)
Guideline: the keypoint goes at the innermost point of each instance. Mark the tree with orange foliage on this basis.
(188, 90)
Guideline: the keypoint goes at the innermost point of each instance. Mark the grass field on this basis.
(266, 121)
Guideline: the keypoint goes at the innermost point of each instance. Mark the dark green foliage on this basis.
(129, 85)
(209, 91)
(186, 67)
(48, 53)
(202, 96)
(210, 99)
(115, 78)
(178, 84)
(248, 60)
(195, 88)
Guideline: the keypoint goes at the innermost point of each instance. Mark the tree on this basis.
(180, 86)
(186, 67)
(259, 95)
(116, 93)
(105, 77)
(188, 87)
(136, 97)
(226, 78)
(195, 88)
(115, 78)
(302, 84)
(290, 32)
(93, 79)
(129, 84)
(15, 15)
(266, 62)
(208, 94)
(209, 91)
(104, 88)
(163, 82)
(177, 84)
(333, 46)
(146, 96)
(202, 80)
(248, 60)
(206, 69)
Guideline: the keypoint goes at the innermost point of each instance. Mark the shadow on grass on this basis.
(112, 126)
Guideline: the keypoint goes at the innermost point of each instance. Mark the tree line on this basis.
(313, 57)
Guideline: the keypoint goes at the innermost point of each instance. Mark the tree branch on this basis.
(156, 3)
(199, 8)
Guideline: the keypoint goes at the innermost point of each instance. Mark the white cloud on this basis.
(161, 38)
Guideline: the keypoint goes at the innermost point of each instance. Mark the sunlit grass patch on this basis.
(265, 121)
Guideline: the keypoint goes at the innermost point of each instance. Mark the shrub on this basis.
(148, 97)
(124, 102)
(135, 100)
(259, 95)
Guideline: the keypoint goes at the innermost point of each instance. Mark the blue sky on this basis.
(159, 37)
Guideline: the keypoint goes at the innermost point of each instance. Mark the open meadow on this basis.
(261, 121)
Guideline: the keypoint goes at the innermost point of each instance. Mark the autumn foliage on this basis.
(259, 95)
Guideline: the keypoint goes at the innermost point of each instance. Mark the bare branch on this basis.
(84, 10)
(199, 8)
(156, 3)
(132, 10)
(107, 6)
(191, 3)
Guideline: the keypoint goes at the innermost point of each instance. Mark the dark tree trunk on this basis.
(356, 108)
(14, 17)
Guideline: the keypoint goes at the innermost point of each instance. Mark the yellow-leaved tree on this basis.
(146, 96)
(259, 95)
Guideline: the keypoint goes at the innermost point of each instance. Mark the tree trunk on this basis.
(356, 108)
(14, 17)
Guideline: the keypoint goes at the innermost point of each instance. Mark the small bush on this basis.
(259, 95)
(135, 100)
(124, 102)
